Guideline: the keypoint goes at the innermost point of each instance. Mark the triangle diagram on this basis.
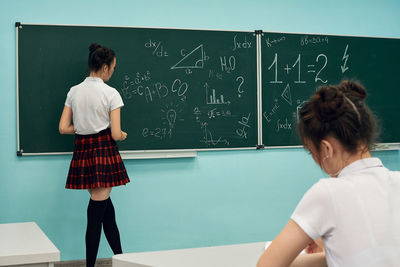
(193, 60)
(287, 95)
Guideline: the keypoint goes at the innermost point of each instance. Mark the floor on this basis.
(82, 263)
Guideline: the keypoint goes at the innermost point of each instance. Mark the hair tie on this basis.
(354, 107)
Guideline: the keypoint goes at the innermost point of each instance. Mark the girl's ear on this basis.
(104, 68)
(326, 149)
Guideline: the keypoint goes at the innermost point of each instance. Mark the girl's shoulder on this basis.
(108, 89)
(76, 87)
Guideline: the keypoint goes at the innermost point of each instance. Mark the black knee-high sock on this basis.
(95, 214)
(111, 229)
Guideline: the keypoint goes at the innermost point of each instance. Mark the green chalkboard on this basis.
(197, 89)
(182, 89)
(294, 65)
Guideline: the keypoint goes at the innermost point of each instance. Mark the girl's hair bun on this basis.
(93, 47)
(98, 56)
(328, 103)
(353, 89)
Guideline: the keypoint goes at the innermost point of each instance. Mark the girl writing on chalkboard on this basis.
(351, 219)
(94, 108)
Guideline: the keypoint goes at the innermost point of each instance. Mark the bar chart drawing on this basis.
(212, 99)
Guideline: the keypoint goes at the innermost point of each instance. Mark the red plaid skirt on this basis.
(96, 162)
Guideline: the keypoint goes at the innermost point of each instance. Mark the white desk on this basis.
(241, 255)
(25, 244)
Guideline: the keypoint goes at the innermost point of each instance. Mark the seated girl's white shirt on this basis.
(91, 102)
(356, 214)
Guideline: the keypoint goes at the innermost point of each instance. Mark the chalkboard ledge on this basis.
(158, 154)
(386, 146)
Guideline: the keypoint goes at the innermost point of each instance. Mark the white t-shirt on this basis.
(356, 214)
(92, 101)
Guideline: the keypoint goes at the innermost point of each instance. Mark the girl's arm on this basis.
(65, 126)
(116, 132)
(310, 260)
(285, 249)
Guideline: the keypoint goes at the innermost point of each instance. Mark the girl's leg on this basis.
(100, 193)
(111, 229)
(95, 213)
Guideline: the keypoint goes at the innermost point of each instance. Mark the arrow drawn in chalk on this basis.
(345, 58)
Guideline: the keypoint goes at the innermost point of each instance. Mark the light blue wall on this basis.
(217, 198)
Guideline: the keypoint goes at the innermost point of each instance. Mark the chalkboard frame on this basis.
(191, 152)
(152, 153)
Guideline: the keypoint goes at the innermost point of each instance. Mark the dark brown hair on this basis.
(338, 111)
(98, 56)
